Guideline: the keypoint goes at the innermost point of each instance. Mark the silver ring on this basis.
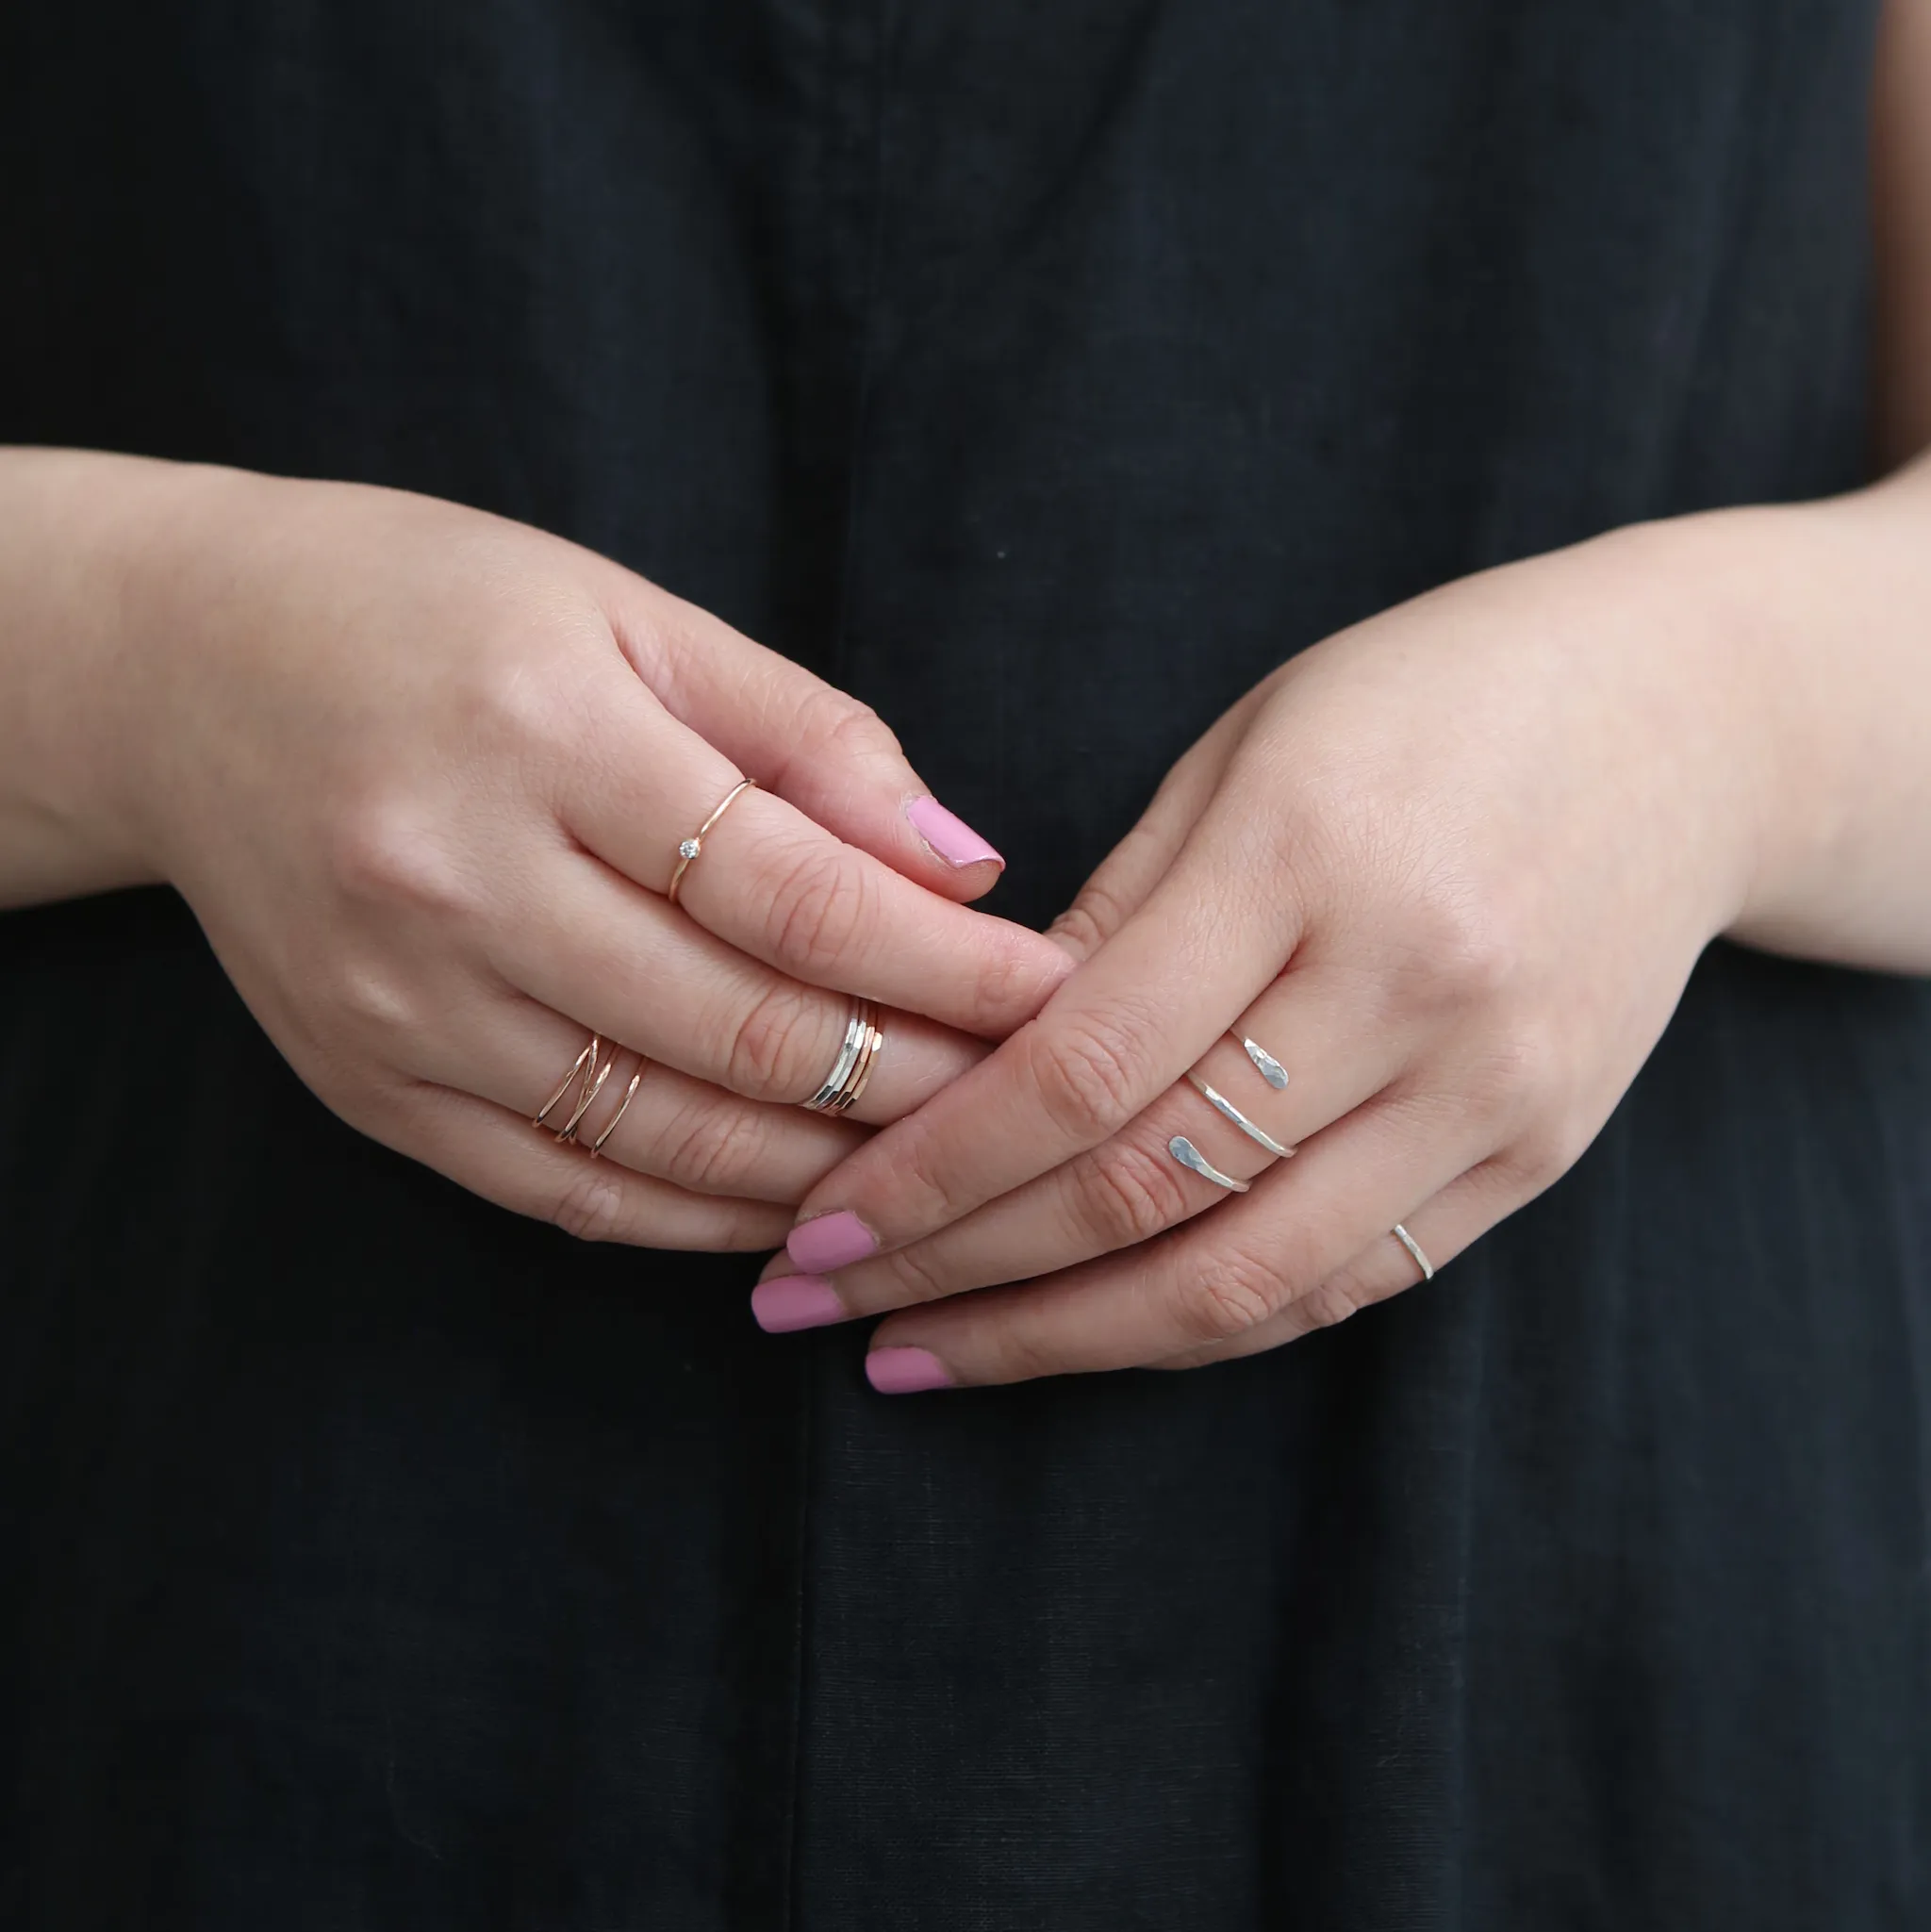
(853, 1068)
(1220, 1103)
(1269, 1068)
(1415, 1251)
(1188, 1155)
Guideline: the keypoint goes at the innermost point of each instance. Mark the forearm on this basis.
(69, 524)
(1825, 610)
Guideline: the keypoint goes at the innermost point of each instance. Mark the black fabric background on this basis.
(1045, 374)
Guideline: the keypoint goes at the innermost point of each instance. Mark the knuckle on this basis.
(1080, 927)
(1540, 1157)
(713, 1149)
(591, 1207)
(375, 1006)
(916, 1275)
(383, 852)
(820, 909)
(767, 1051)
(1520, 1076)
(1233, 1293)
(842, 724)
(1334, 1300)
(1472, 950)
(518, 701)
(1085, 1075)
(924, 1175)
(1127, 1195)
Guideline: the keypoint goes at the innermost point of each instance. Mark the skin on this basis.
(1454, 867)
(422, 773)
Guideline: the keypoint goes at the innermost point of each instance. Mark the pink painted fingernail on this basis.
(830, 1241)
(948, 834)
(905, 1371)
(793, 1302)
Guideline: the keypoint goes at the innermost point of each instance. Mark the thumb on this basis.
(815, 746)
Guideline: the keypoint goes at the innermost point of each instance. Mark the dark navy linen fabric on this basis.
(1045, 374)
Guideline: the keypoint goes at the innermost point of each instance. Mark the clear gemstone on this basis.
(689, 849)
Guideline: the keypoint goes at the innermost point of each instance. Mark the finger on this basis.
(1129, 1024)
(493, 1152)
(1211, 1283)
(813, 745)
(626, 965)
(1460, 1214)
(1134, 866)
(1135, 1186)
(782, 888)
(646, 1117)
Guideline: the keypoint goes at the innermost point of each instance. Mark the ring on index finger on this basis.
(693, 847)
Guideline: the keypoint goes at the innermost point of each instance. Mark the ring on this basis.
(694, 845)
(636, 1079)
(1221, 1103)
(587, 1073)
(1188, 1155)
(587, 1077)
(1415, 1251)
(853, 1068)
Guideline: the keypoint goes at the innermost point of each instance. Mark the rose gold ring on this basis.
(693, 847)
(588, 1074)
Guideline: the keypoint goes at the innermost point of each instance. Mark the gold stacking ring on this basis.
(693, 845)
(849, 1072)
(589, 1071)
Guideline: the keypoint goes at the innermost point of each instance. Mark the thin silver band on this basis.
(1219, 1101)
(856, 1028)
(1188, 1155)
(1415, 1251)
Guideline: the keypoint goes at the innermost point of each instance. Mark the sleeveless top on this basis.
(1044, 374)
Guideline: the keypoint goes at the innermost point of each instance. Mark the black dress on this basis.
(1044, 373)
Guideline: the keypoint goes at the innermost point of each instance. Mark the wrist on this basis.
(1785, 594)
(1694, 651)
(74, 526)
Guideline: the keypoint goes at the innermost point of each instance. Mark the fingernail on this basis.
(948, 834)
(828, 1242)
(905, 1371)
(793, 1302)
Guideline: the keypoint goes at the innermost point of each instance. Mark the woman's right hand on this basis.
(422, 774)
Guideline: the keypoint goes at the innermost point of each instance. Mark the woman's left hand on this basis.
(1450, 869)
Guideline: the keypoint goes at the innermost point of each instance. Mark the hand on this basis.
(422, 774)
(1450, 868)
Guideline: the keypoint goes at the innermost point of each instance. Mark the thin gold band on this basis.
(693, 847)
(585, 1067)
(636, 1079)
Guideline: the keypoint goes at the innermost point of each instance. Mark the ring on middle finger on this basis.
(857, 1055)
(1226, 1109)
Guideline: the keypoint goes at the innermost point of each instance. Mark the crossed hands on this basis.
(1385, 950)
